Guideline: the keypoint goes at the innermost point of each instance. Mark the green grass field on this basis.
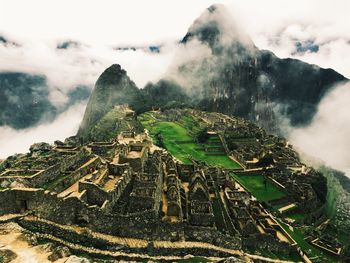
(297, 217)
(181, 144)
(255, 185)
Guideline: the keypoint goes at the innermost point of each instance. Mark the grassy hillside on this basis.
(179, 140)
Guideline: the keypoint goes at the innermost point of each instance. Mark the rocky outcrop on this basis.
(40, 147)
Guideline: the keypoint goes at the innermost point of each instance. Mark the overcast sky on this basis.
(315, 31)
(38, 25)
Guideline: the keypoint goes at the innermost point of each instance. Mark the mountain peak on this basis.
(115, 68)
(113, 87)
(217, 28)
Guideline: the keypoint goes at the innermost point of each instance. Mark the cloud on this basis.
(66, 68)
(39, 26)
(17, 141)
(327, 137)
(271, 24)
(192, 66)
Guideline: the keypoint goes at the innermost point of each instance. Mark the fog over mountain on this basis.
(327, 137)
(75, 58)
(218, 63)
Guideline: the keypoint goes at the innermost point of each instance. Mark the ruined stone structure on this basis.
(130, 188)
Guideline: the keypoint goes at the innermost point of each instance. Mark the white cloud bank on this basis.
(328, 136)
(18, 141)
(66, 68)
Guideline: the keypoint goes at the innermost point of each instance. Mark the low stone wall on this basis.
(68, 210)
(211, 235)
(94, 194)
(83, 238)
(268, 242)
(170, 231)
(90, 240)
(76, 175)
(51, 173)
(202, 219)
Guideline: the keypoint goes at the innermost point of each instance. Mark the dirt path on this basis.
(12, 239)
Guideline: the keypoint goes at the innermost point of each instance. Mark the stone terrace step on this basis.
(139, 244)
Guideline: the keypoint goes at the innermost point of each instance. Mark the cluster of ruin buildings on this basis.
(130, 188)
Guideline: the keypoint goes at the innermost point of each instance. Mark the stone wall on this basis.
(211, 235)
(88, 239)
(94, 194)
(42, 178)
(65, 163)
(68, 211)
(268, 242)
(77, 174)
(201, 219)
(8, 204)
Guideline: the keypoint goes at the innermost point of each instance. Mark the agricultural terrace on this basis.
(179, 139)
(255, 184)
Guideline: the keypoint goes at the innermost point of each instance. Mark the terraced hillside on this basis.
(180, 133)
(178, 137)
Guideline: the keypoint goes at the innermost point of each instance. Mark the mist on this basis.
(328, 135)
(18, 141)
(80, 64)
(35, 51)
(214, 40)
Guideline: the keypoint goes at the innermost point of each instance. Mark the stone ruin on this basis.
(130, 188)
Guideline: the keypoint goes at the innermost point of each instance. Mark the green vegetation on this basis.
(192, 125)
(112, 88)
(179, 139)
(255, 184)
(108, 126)
(294, 256)
(164, 94)
(181, 144)
(311, 251)
(52, 184)
(335, 191)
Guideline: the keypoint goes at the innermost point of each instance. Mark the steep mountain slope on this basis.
(220, 66)
(117, 120)
(24, 99)
(112, 88)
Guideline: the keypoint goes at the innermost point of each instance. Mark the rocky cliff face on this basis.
(112, 88)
